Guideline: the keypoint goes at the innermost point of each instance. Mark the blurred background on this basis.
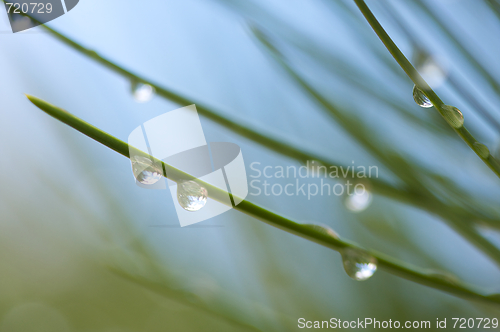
(85, 249)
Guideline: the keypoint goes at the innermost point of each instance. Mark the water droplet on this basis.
(358, 200)
(144, 170)
(323, 229)
(453, 116)
(191, 196)
(420, 98)
(142, 92)
(358, 264)
(481, 149)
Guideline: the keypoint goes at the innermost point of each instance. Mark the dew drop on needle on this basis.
(358, 264)
(323, 229)
(358, 201)
(142, 92)
(481, 150)
(453, 116)
(144, 170)
(420, 98)
(191, 196)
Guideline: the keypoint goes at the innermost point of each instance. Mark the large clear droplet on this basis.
(358, 264)
(420, 98)
(453, 116)
(481, 150)
(142, 92)
(358, 201)
(323, 229)
(191, 196)
(144, 170)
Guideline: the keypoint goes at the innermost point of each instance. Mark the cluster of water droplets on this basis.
(142, 92)
(191, 196)
(358, 264)
(451, 114)
(435, 74)
(145, 171)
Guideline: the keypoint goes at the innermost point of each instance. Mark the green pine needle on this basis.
(389, 264)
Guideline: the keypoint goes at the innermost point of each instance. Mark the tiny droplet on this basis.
(191, 196)
(358, 264)
(481, 150)
(420, 98)
(323, 229)
(142, 92)
(358, 201)
(453, 116)
(144, 170)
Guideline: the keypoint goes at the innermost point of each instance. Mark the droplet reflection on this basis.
(358, 201)
(453, 116)
(358, 264)
(481, 150)
(144, 170)
(191, 196)
(420, 98)
(142, 92)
